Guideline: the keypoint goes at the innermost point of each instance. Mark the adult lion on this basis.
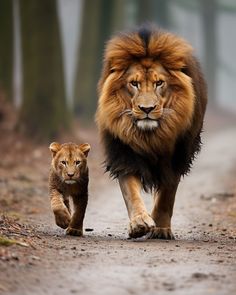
(152, 100)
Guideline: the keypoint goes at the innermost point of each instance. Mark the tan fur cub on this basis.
(69, 178)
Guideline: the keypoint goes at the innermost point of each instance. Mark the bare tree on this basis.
(209, 11)
(156, 11)
(44, 111)
(6, 47)
(100, 19)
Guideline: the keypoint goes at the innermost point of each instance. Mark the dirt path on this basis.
(202, 260)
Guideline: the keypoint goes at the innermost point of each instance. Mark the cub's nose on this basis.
(146, 110)
(70, 174)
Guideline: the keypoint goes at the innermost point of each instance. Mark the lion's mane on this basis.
(159, 156)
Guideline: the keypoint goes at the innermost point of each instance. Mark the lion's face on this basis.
(146, 99)
(147, 85)
(69, 160)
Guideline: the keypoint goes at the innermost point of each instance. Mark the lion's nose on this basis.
(146, 110)
(70, 174)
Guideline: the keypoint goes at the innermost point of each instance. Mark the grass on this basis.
(4, 241)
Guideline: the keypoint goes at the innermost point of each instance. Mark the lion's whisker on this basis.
(127, 112)
(167, 111)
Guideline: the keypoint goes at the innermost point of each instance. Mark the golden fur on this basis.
(69, 178)
(152, 100)
(114, 100)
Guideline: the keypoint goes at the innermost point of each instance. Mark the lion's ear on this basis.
(85, 148)
(54, 148)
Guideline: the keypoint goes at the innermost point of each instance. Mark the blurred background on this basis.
(51, 54)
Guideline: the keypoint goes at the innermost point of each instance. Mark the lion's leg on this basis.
(60, 210)
(162, 211)
(140, 221)
(75, 227)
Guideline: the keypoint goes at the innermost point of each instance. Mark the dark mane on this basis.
(144, 33)
(122, 160)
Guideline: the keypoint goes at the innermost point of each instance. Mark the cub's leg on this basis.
(60, 209)
(140, 221)
(75, 227)
(162, 212)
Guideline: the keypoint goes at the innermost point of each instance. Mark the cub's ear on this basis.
(85, 148)
(54, 148)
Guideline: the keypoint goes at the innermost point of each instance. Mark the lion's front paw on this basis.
(164, 233)
(62, 218)
(140, 225)
(74, 231)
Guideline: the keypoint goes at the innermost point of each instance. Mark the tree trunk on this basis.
(6, 48)
(162, 13)
(144, 8)
(44, 112)
(209, 19)
(156, 11)
(100, 18)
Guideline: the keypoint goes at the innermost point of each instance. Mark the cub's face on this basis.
(147, 85)
(69, 160)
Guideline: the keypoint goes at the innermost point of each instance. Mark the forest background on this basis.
(51, 54)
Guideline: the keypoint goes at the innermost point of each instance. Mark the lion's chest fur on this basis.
(153, 170)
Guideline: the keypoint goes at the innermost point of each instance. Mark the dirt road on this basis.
(202, 259)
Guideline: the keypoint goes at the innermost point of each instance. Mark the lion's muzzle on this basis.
(147, 124)
(147, 117)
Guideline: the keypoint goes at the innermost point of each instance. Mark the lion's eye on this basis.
(63, 162)
(158, 83)
(134, 83)
(77, 162)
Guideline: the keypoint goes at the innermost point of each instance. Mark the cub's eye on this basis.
(77, 162)
(134, 83)
(63, 162)
(158, 83)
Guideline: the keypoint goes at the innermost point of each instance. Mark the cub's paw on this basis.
(140, 225)
(62, 218)
(164, 233)
(74, 231)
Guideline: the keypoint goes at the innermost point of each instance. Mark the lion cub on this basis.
(69, 178)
